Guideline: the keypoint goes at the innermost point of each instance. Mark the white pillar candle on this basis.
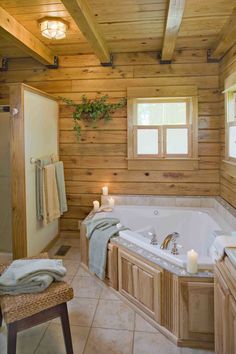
(96, 205)
(111, 202)
(192, 259)
(105, 190)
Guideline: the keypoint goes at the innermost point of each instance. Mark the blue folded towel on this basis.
(99, 232)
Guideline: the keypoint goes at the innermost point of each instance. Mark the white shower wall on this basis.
(41, 139)
(5, 185)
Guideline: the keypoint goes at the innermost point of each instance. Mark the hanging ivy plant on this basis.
(92, 111)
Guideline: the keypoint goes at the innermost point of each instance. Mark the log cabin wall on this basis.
(100, 157)
(227, 171)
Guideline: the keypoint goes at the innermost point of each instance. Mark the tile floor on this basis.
(100, 322)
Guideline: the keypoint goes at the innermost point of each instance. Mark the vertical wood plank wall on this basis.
(100, 157)
(228, 172)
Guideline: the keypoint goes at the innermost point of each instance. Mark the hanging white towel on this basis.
(51, 194)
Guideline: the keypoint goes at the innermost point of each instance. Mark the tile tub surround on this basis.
(180, 272)
(95, 328)
(219, 204)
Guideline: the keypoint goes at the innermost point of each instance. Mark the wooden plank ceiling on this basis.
(125, 25)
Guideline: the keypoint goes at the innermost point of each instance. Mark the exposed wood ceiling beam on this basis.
(13, 31)
(82, 15)
(226, 39)
(174, 19)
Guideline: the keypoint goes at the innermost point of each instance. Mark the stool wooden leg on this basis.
(0, 317)
(11, 338)
(66, 328)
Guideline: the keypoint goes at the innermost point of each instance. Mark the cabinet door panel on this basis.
(135, 281)
(221, 318)
(140, 283)
(127, 278)
(197, 311)
(146, 289)
(232, 325)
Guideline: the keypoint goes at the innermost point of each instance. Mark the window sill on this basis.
(169, 164)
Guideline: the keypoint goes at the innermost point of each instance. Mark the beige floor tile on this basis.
(3, 340)
(73, 254)
(83, 272)
(53, 341)
(27, 341)
(68, 278)
(108, 294)
(5, 257)
(81, 311)
(71, 266)
(194, 351)
(108, 341)
(142, 325)
(87, 287)
(113, 314)
(150, 343)
(67, 241)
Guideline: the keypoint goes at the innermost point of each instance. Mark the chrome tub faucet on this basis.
(171, 237)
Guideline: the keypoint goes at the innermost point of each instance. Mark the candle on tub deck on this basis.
(96, 205)
(105, 190)
(192, 258)
(111, 202)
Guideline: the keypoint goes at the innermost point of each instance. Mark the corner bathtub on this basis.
(197, 228)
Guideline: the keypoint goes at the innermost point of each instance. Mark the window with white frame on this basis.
(162, 127)
(231, 124)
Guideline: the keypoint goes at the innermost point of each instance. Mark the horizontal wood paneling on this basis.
(228, 171)
(101, 156)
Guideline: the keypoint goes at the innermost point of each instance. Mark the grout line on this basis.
(132, 350)
(43, 334)
(90, 329)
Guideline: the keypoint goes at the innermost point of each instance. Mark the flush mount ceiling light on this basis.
(53, 27)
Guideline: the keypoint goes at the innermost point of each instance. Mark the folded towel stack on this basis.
(30, 275)
(217, 248)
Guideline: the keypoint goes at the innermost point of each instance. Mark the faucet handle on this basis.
(175, 235)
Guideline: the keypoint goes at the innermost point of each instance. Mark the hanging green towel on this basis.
(61, 186)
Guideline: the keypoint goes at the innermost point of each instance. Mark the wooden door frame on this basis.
(17, 153)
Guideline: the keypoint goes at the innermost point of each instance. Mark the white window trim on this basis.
(231, 91)
(191, 124)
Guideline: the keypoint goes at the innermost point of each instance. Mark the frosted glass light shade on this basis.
(53, 27)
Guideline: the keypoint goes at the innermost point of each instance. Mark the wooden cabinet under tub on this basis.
(182, 307)
(225, 307)
(140, 283)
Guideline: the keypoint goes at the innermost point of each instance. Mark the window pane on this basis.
(174, 113)
(161, 113)
(177, 141)
(231, 106)
(147, 141)
(232, 141)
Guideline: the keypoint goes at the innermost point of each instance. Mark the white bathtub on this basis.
(197, 228)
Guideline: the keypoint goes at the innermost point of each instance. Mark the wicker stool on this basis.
(27, 310)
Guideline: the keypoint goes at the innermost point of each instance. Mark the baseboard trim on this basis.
(51, 243)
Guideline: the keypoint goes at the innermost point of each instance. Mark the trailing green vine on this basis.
(92, 111)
